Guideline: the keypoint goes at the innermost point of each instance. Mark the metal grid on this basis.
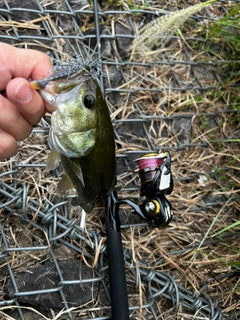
(55, 227)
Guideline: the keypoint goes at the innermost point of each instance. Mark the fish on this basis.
(81, 134)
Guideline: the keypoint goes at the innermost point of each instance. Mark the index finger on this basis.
(24, 63)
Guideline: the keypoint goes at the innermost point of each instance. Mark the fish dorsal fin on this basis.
(52, 160)
(64, 185)
(78, 171)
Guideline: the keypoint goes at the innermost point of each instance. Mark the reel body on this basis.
(156, 182)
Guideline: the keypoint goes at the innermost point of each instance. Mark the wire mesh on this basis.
(152, 108)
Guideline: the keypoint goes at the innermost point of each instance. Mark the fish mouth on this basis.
(53, 95)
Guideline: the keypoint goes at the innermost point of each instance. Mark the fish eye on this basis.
(89, 101)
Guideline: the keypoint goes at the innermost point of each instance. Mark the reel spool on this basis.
(155, 173)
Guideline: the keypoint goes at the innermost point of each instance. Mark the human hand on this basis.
(20, 105)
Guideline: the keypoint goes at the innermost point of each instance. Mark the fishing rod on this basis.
(156, 182)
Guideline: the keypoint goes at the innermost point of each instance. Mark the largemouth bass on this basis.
(81, 135)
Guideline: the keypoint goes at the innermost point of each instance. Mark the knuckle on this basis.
(8, 146)
(24, 134)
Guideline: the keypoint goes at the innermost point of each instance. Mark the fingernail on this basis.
(23, 92)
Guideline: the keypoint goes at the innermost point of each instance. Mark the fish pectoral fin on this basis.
(52, 160)
(65, 184)
(87, 207)
(78, 171)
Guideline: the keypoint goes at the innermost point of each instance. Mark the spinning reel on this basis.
(156, 182)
